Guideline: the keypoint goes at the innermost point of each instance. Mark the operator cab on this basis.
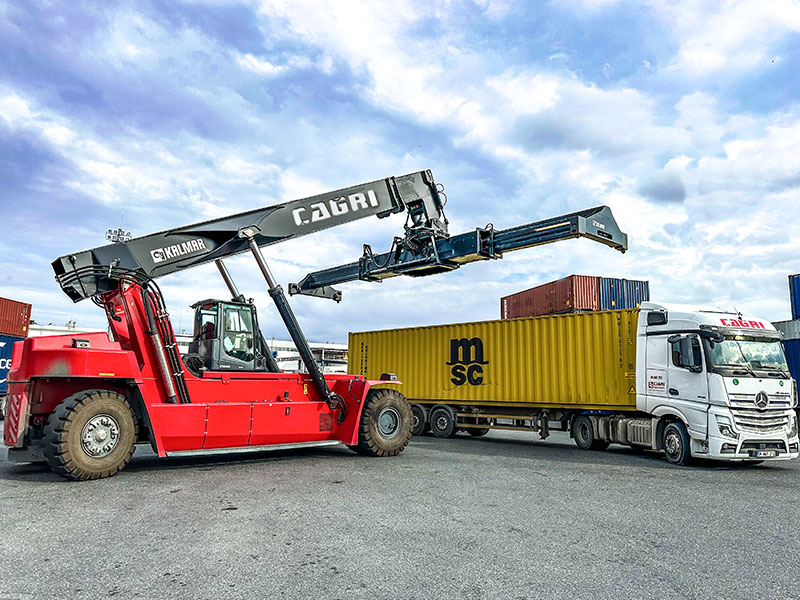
(226, 338)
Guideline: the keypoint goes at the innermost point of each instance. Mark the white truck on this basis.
(689, 381)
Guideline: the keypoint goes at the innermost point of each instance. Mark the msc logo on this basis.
(466, 358)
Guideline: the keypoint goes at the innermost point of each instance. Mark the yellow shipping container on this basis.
(584, 361)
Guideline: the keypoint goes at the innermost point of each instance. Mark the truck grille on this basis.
(760, 421)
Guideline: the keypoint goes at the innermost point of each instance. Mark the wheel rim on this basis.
(389, 423)
(414, 421)
(100, 436)
(583, 432)
(672, 444)
(441, 422)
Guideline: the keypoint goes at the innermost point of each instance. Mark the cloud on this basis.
(664, 187)
(152, 116)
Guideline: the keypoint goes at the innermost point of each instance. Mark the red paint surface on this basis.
(227, 410)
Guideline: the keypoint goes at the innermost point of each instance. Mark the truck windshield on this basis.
(748, 354)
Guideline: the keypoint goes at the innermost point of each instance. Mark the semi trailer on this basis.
(688, 381)
(83, 402)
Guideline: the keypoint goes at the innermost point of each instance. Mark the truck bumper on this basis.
(774, 447)
(777, 444)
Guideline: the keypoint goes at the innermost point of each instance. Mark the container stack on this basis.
(14, 320)
(791, 329)
(576, 293)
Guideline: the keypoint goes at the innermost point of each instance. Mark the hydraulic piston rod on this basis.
(292, 326)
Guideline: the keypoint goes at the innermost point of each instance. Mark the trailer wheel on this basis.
(675, 442)
(385, 427)
(443, 422)
(583, 432)
(90, 435)
(419, 425)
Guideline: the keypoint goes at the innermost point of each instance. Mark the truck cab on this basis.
(723, 375)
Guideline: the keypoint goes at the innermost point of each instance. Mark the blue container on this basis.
(612, 293)
(636, 292)
(6, 348)
(792, 349)
(794, 295)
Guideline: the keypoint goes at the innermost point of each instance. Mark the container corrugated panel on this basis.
(636, 292)
(792, 348)
(571, 294)
(583, 360)
(612, 293)
(789, 329)
(794, 295)
(6, 349)
(14, 317)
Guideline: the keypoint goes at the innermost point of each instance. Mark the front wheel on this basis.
(90, 435)
(385, 426)
(675, 441)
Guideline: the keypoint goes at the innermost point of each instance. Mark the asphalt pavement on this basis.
(504, 516)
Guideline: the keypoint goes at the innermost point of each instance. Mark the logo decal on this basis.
(762, 400)
(177, 250)
(742, 324)
(321, 211)
(466, 358)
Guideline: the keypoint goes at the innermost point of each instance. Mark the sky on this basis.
(682, 116)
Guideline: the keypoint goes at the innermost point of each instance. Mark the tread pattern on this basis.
(62, 436)
(370, 443)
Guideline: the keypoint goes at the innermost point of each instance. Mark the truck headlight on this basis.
(792, 424)
(725, 428)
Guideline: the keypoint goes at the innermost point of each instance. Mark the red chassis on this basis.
(227, 410)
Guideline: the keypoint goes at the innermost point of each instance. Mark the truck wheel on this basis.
(675, 442)
(90, 435)
(385, 427)
(443, 422)
(583, 432)
(419, 425)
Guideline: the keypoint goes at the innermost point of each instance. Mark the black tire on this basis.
(443, 422)
(419, 424)
(675, 443)
(477, 432)
(583, 434)
(385, 426)
(75, 433)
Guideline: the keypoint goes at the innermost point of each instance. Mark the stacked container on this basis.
(14, 319)
(576, 293)
(791, 329)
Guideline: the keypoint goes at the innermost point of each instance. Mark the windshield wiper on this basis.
(744, 366)
(771, 367)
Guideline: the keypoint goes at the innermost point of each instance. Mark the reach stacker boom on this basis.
(82, 402)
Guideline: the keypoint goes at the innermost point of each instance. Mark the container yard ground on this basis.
(498, 517)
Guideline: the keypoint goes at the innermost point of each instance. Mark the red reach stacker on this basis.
(82, 402)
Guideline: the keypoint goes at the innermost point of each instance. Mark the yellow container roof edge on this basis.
(559, 316)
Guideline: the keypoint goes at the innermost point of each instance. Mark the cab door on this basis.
(687, 382)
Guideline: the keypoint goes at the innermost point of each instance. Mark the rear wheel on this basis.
(443, 422)
(419, 425)
(90, 435)
(385, 427)
(675, 442)
(583, 433)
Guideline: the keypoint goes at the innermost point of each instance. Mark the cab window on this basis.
(237, 339)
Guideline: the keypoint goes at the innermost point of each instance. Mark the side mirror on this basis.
(690, 354)
(656, 318)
